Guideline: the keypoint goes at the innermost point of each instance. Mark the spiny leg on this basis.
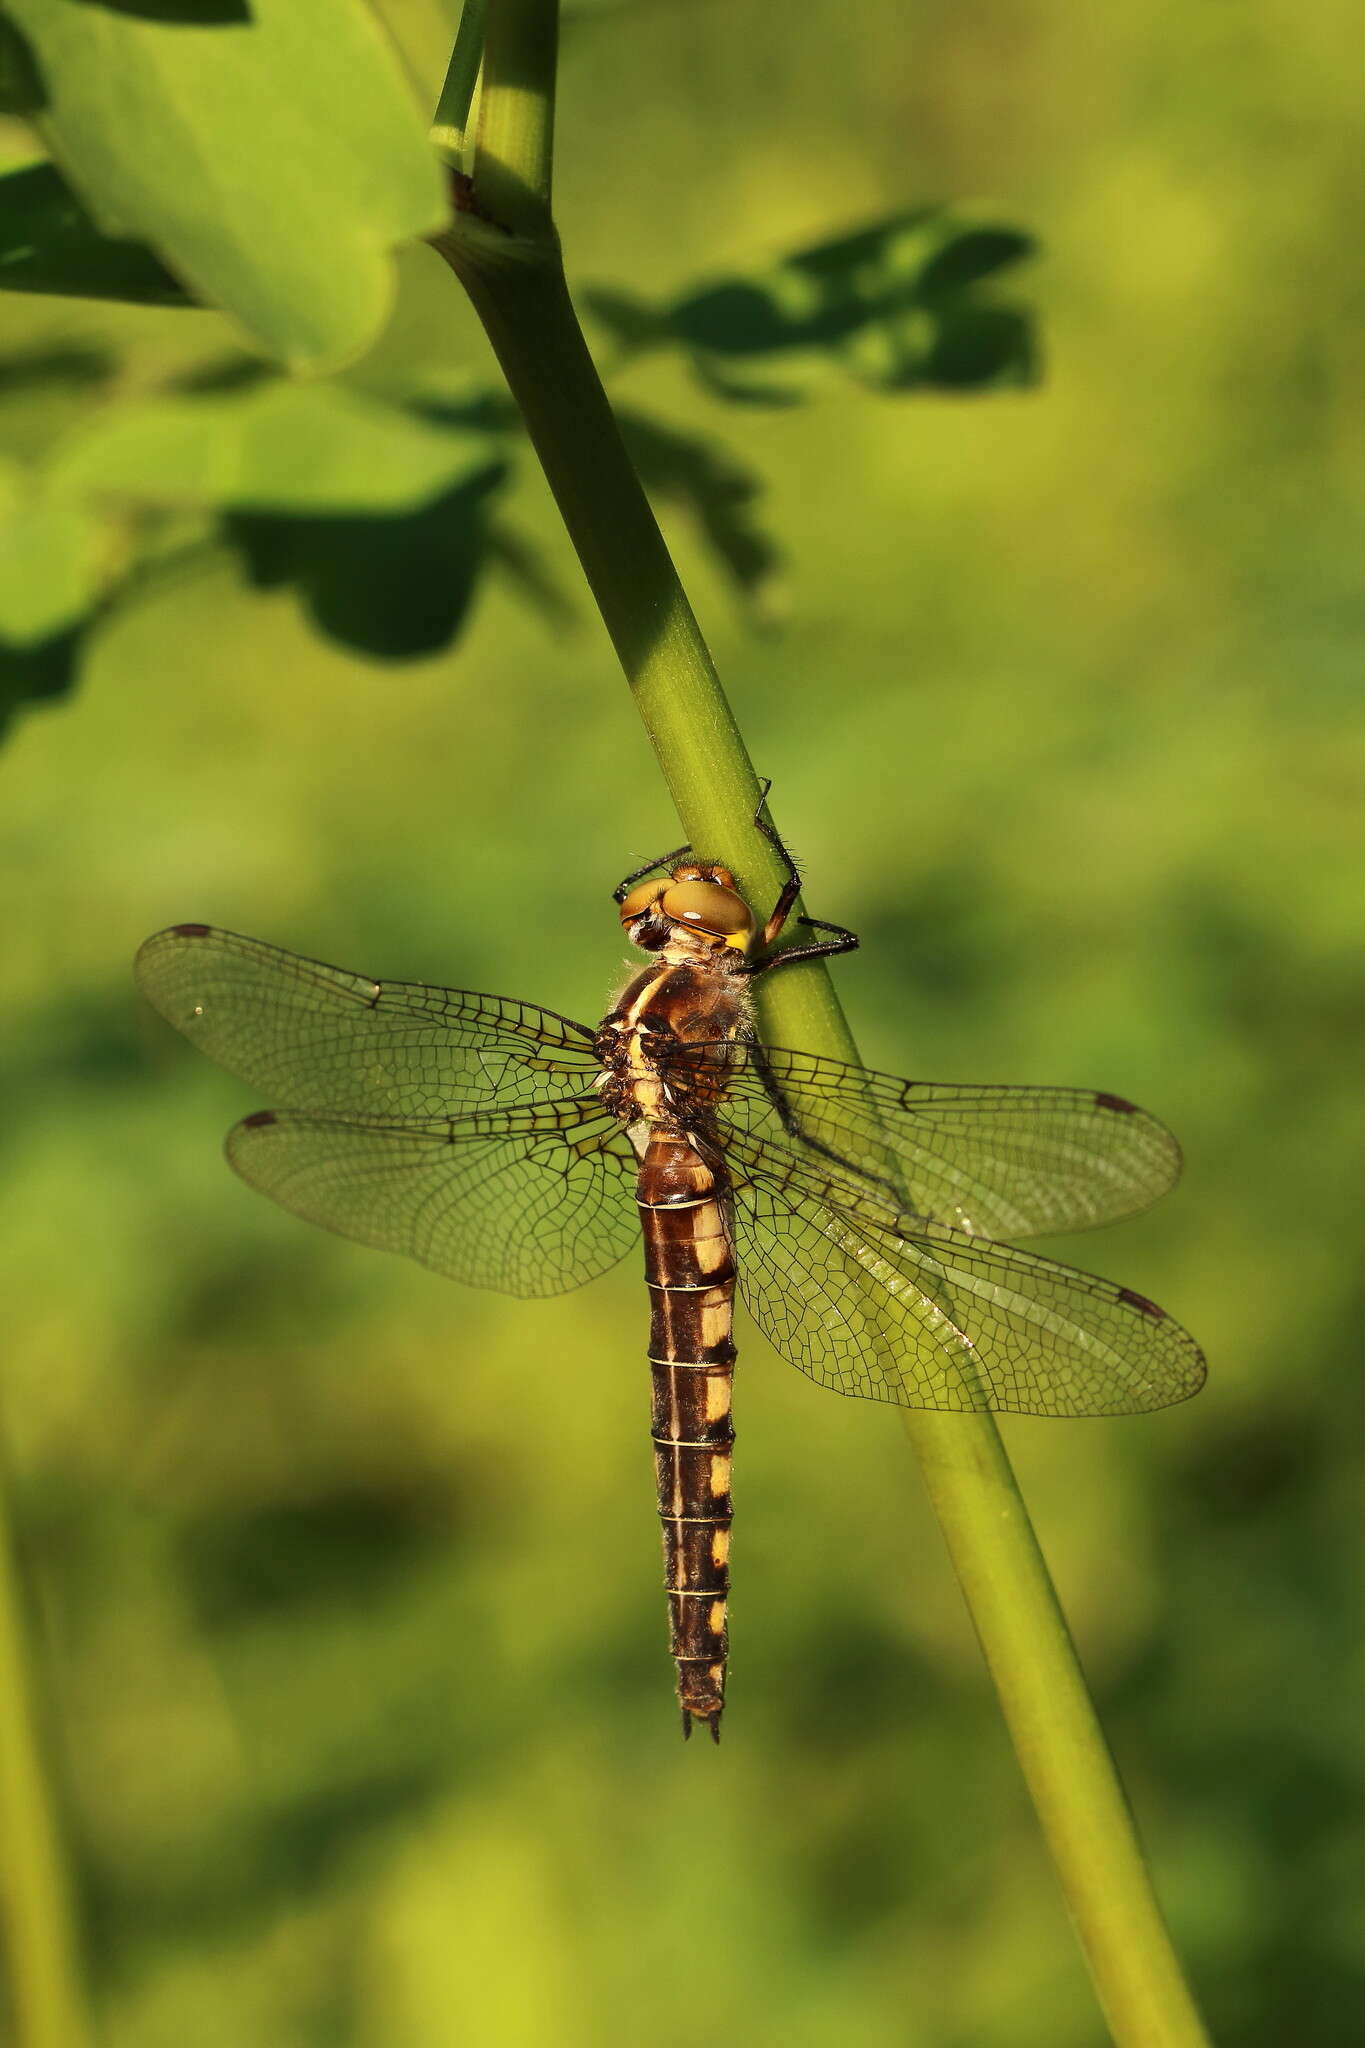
(844, 940)
(792, 1125)
(623, 889)
(791, 888)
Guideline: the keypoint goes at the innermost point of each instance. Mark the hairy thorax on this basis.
(663, 1043)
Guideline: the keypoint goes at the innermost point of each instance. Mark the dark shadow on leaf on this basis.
(836, 260)
(22, 90)
(981, 345)
(717, 491)
(227, 374)
(186, 13)
(39, 674)
(394, 587)
(49, 243)
(64, 362)
(894, 303)
(972, 256)
(522, 562)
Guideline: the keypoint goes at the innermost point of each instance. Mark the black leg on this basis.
(791, 888)
(792, 1125)
(844, 942)
(623, 889)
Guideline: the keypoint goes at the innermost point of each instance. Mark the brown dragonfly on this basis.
(869, 1220)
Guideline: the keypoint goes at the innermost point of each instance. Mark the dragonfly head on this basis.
(698, 898)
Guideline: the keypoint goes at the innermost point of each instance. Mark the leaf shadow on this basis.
(393, 586)
(179, 13)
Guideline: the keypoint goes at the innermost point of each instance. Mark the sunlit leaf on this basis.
(271, 156)
(282, 447)
(51, 554)
(53, 563)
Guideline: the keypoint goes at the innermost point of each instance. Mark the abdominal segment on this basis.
(689, 1267)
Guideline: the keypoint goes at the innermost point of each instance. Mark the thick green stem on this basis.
(514, 154)
(516, 283)
(43, 1981)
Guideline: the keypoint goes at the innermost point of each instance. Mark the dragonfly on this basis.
(870, 1223)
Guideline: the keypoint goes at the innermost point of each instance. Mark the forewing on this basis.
(460, 1129)
(926, 1317)
(526, 1211)
(316, 1038)
(989, 1162)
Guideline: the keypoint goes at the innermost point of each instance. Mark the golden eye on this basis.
(707, 907)
(640, 900)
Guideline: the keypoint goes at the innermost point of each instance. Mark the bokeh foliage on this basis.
(370, 494)
(349, 1606)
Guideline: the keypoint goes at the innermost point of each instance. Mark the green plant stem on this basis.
(462, 75)
(516, 283)
(515, 148)
(39, 1947)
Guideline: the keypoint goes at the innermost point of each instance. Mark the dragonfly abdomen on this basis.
(690, 1270)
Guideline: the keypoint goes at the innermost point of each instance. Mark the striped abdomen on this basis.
(690, 1270)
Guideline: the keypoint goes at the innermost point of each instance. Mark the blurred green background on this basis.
(349, 1612)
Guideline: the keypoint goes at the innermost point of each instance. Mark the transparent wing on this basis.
(460, 1129)
(990, 1162)
(532, 1203)
(926, 1317)
(317, 1038)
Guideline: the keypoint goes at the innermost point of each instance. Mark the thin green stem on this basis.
(40, 1950)
(449, 128)
(517, 286)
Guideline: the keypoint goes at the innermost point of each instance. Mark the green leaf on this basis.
(53, 563)
(52, 551)
(21, 86)
(49, 243)
(271, 162)
(278, 447)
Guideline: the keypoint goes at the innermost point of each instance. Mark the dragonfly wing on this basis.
(317, 1038)
(989, 1162)
(926, 1317)
(523, 1210)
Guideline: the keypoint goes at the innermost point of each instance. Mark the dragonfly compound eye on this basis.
(641, 900)
(708, 907)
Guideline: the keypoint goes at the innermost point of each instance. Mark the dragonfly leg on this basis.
(843, 941)
(791, 888)
(792, 1125)
(623, 888)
